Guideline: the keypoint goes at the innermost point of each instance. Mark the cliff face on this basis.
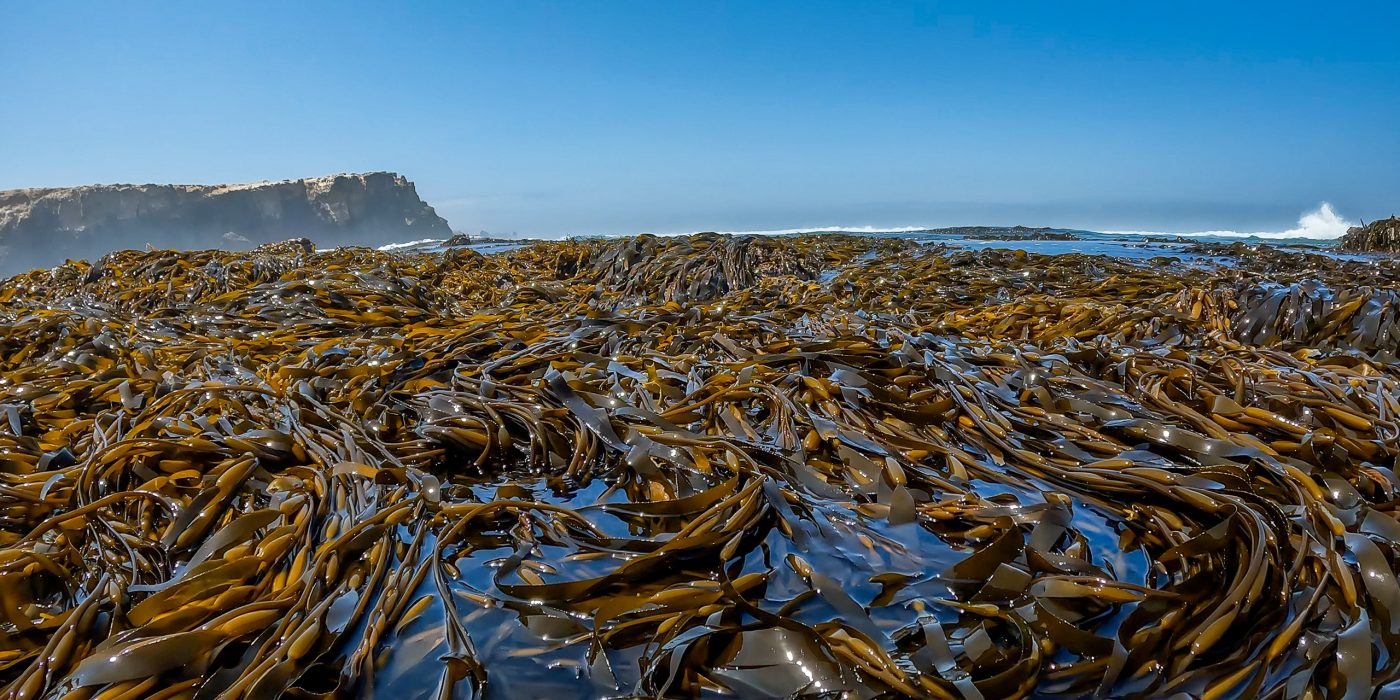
(42, 227)
(1376, 237)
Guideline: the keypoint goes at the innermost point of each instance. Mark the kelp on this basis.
(808, 466)
(1378, 236)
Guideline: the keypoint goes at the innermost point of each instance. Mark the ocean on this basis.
(1317, 231)
(1131, 246)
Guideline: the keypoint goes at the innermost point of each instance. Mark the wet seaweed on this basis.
(807, 466)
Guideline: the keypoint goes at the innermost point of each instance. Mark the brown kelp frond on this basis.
(806, 466)
(707, 266)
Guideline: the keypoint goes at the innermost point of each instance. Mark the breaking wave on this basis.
(790, 231)
(843, 229)
(1324, 223)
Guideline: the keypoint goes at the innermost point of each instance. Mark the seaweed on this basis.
(798, 466)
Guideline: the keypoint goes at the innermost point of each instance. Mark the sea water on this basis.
(1121, 245)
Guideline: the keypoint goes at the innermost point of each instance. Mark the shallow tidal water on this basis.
(819, 466)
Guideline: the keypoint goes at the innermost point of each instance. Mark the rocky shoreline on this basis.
(1381, 236)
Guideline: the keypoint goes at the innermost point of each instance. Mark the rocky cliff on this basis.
(1376, 237)
(41, 227)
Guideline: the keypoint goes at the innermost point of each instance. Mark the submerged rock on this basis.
(45, 225)
(1376, 237)
(289, 247)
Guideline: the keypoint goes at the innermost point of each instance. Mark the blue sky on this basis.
(619, 117)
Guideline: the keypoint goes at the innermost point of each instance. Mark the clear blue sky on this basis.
(618, 117)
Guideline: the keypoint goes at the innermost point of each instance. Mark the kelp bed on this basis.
(823, 466)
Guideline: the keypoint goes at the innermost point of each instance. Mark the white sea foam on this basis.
(775, 231)
(820, 229)
(1322, 224)
(409, 244)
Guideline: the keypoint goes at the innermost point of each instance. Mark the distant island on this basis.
(1010, 233)
(43, 226)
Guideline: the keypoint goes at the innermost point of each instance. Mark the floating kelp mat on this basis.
(705, 466)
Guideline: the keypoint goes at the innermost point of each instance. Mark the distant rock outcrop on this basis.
(1008, 233)
(42, 227)
(1376, 237)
